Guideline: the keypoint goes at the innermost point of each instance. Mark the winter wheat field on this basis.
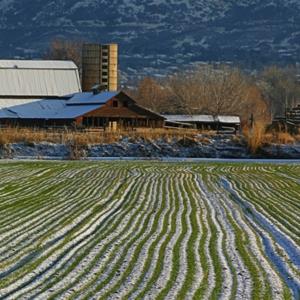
(149, 230)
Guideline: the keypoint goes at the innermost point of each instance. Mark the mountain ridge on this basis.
(159, 36)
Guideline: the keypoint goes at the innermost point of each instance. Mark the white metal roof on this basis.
(203, 119)
(23, 78)
(38, 64)
(190, 118)
(229, 119)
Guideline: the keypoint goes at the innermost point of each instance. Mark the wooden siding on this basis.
(118, 112)
(126, 108)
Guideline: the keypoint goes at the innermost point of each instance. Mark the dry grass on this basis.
(255, 136)
(258, 137)
(23, 135)
(285, 138)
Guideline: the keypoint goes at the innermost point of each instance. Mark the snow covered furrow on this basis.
(93, 249)
(115, 240)
(49, 188)
(162, 268)
(149, 230)
(273, 193)
(52, 252)
(50, 214)
(217, 216)
(153, 266)
(205, 286)
(269, 209)
(90, 250)
(45, 230)
(179, 289)
(271, 279)
(133, 255)
(148, 253)
(137, 256)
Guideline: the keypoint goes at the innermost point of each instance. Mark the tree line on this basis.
(223, 90)
(209, 89)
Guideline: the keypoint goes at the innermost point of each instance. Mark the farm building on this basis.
(290, 122)
(89, 109)
(228, 122)
(193, 121)
(208, 122)
(100, 66)
(25, 81)
(292, 117)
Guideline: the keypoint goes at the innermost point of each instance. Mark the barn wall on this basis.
(124, 115)
(115, 112)
(31, 123)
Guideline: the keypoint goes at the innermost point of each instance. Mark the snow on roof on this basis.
(38, 64)
(30, 78)
(47, 109)
(6, 114)
(13, 102)
(66, 107)
(203, 118)
(190, 118)
(90, 98)
(229, 119)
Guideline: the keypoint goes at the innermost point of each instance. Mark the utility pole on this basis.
(251, 124)
(286, 109)
(251, 121)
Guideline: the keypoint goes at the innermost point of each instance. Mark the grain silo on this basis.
(100, 66)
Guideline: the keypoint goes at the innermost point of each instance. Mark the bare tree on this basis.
(205, 90)
(280, 87)
(185, 92)
(152, 94)
(61, 49)
(210, 90)
(228, 90)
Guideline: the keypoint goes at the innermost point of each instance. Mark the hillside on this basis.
(157, 36)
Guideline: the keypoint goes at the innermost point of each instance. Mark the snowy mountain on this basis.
(157, 36)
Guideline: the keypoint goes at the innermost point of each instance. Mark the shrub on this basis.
(255, 136)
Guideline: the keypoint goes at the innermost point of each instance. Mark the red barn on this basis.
(90, 109)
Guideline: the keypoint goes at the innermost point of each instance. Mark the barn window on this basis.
(115, 103)
(125, 104)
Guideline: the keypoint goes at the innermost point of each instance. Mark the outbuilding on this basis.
(26, 81)
(192, 121)
(90, 109)
(204, 122)
(228, 122)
